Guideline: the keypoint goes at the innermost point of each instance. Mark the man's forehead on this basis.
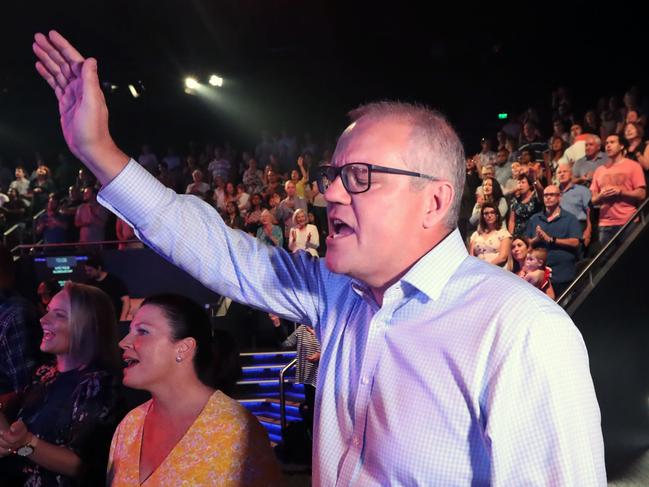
(379, 141)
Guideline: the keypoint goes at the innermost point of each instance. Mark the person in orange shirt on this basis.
(190, 432)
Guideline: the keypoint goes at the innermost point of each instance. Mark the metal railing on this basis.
(282, 393)
(25, 249)
(597, 268)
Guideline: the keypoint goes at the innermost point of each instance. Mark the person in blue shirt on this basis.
(435, 368)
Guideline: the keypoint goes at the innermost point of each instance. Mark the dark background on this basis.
(303, 64)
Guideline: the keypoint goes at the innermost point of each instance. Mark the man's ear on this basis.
(439, 197)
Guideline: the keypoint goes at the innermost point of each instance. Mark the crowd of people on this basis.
(561, 194)
(568, 194)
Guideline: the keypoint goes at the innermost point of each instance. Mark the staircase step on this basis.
(273, 417)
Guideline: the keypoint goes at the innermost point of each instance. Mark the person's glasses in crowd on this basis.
(546, 195)
(357, 176)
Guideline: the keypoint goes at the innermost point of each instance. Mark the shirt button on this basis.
(356, 441)
(365, 380)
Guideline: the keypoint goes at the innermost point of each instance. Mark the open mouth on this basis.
(340, 229)
(48, 335)
(130, 362)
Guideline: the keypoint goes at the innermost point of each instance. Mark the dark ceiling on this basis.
(303, 64)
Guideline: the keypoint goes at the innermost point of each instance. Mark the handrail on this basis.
(9, 231)
(282, 394)
(589, 273)
(28, 247)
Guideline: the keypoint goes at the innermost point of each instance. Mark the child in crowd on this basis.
(535, 271)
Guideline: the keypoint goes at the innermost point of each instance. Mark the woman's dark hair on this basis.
(216, 360)
(527, 178)
(515, 265)
(483, 224)
(496, 190)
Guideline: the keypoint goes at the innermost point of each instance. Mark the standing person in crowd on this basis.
(21, 183)
(41, 187)
(52, 225)
(190, 432)
(618, 188)
(308, 355)
(491, 193)
(584, 168)
(253, 178)
(523, 205)
(288, 206)
(484, 375)
(268, 232)
(557, 231)
(197, 187)
(61, 433)
(253, 216)
(232, 216)
(575, 199)
(126, 236)
(91, 218)
(638, 149)
(19, 332)
(45, 291)
(491, 242)
(112, 285)
(303, 235)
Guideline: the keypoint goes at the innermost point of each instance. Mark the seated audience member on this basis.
(19, 332)
(525, 204)
(268, 233)
(190, 432)
(232, 216)
(61, 433)
(91, 217)
(491, 242)
(520, 249)
(557, 231)
(112, 285)
(303, 235)
(45, 291)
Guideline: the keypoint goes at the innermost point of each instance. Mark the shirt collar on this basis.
(431, 273)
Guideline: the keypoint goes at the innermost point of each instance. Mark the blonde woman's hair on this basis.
(93, 327)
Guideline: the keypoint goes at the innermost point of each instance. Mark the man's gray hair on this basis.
(596, 138)
(434, 147)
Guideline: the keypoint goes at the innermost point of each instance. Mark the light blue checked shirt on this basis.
(466, 375)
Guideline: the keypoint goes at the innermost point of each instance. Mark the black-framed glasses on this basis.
(357, 176)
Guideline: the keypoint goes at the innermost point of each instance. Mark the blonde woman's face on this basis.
(56, 325)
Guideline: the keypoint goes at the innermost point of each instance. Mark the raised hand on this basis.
(82, 106)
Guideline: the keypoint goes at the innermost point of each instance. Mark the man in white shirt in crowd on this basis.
(429, 373)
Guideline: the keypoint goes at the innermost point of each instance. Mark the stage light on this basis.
(216, 80)
(133, 91)
(191, 83)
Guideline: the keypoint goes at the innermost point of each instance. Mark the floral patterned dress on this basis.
(523, 212)
(76, 409)
(225, 446)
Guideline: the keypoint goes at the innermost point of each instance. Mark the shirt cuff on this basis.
(133, 194)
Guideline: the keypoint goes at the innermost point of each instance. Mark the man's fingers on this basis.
(69, 53)
(52, 67)
(43, 43)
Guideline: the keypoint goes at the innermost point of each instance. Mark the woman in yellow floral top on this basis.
(189, 433)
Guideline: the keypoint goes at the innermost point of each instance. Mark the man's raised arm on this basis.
(84, 115)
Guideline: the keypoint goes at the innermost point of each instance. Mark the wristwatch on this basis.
(28, 448)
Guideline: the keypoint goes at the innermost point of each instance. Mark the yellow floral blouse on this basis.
(225, 446)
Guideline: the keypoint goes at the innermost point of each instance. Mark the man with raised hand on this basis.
(430, 373)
